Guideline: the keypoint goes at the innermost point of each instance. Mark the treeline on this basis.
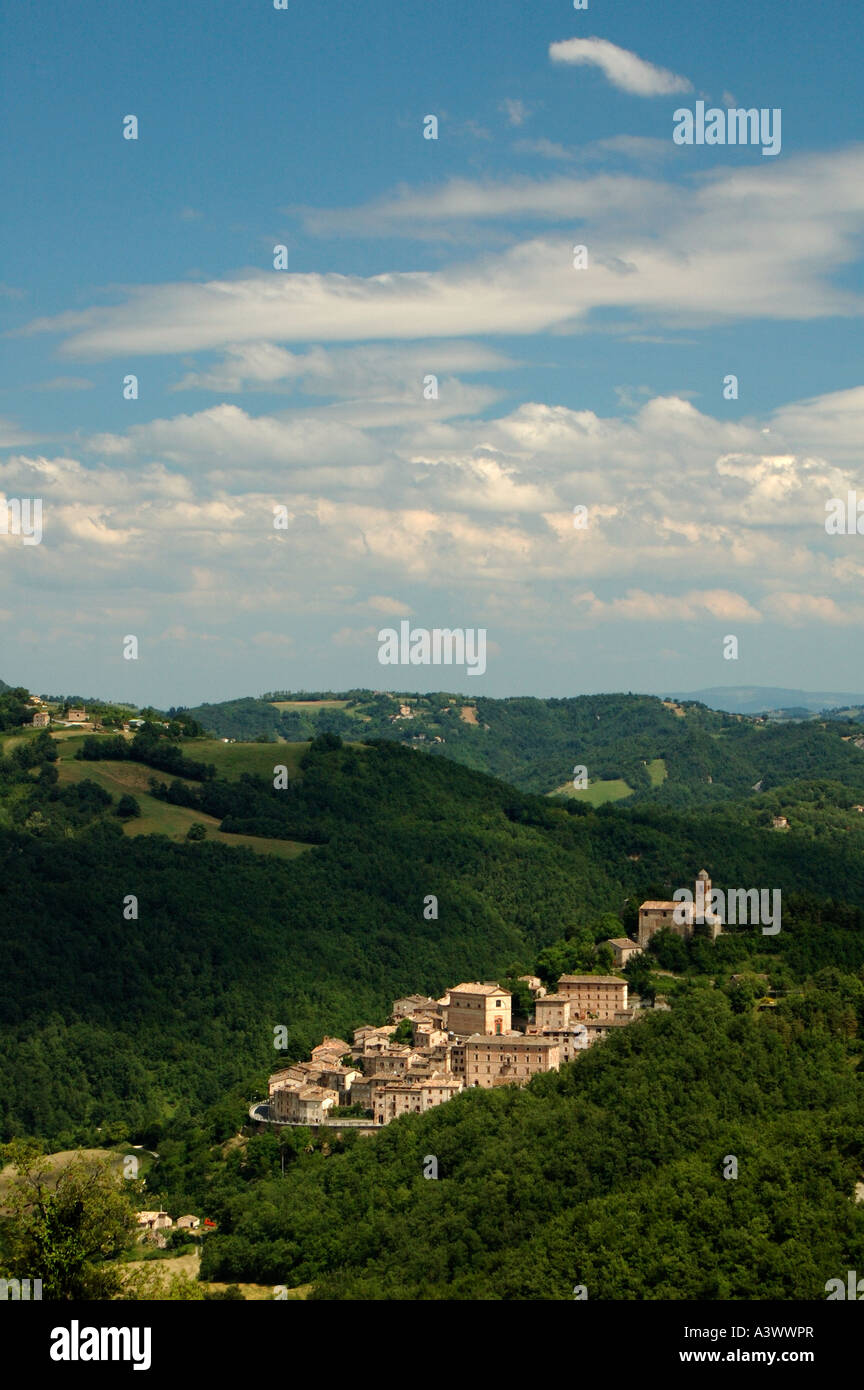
(146, 747)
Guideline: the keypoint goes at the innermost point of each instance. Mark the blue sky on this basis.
(303, 388)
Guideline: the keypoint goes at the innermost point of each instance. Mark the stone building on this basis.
(154, 1220)
(553, 1011)
(427, 1032)
(682, 918)
(570, 1040)
(510, 1059)
(477, 1008)
(412, 1097)
(535, 984)
(291, 1103)
(623, 949)
(369, 1042)
(341, 1080)
(412, 1004)
(330, 1049)
(593, 996)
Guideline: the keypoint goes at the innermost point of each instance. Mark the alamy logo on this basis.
(853, 1288)
(22, 516)
(76, 1343)
(845, 518)
(442, 646)
(732, 127)
(737, 906)
(16, 1289)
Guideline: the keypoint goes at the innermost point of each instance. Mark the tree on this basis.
(127, 807)
(604, 957)
(69, 1229)
(670, 951)
(196, 831)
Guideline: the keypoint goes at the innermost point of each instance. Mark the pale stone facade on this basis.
(154, 1220)
(569, 1041)
(623, 949)
(477, 1008)
(412, 1004)
(511, 1059)
(412, 1097)
(553, 1011)
(476, 1046)
(594, 996)
(298, 1104)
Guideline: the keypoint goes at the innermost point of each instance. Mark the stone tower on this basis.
(702, 906)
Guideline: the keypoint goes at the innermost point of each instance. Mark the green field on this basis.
(159, 817)
(657, 771)
(596, 793)
(309, 704)
(231, 760)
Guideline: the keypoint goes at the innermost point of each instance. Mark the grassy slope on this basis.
(158, 817)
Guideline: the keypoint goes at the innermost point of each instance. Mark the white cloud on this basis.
(515, 110)
(734, 246)
(623, 69)
(639, 606)
(693, 520)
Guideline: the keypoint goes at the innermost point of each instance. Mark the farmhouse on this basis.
(623, 949)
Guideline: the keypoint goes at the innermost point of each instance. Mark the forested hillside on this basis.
(609, 1175)
(701, 756)
(108, 1018)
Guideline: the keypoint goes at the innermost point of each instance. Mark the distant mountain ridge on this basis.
(756, 699)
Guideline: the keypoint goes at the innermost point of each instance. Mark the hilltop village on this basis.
(434, 1048)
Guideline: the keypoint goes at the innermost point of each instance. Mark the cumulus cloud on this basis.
(692, 520)
(625, 70)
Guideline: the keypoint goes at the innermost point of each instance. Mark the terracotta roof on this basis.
(592, 980)
(477, 988)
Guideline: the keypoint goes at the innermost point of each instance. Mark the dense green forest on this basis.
(106, 1016)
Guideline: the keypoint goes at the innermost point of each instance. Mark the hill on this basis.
(758, 699)
(631, 745)
(110, 1018)
(612, 1175)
